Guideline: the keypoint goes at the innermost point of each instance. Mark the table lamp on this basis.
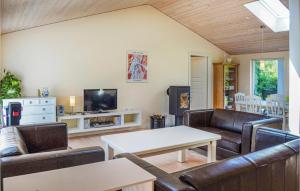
(72, 103)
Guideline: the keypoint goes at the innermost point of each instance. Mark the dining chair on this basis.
(240, 104)
(253, 104)
(276, 107)
(277, 97)
(257, 104)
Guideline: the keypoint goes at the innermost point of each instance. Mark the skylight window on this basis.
(271, 12)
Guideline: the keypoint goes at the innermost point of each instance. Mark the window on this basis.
(268, 77)
(271, 12)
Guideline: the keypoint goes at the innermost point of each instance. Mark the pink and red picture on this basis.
(137, 66)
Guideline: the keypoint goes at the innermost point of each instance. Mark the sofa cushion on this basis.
(233, 120)
(11, 142)
(45, 137)
(230, 141)
(223, 119)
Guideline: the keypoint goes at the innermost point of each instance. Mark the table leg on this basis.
(147, 186)
(181, 156)
(109, 152)
(211, 151)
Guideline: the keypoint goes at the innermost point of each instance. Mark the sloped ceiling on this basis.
(225, 23)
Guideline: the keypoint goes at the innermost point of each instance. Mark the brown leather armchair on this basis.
(235, 128)
(36, 148)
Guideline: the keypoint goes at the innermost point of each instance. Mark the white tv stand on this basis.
(82, 123)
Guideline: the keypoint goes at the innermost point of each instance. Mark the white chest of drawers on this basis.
(34, 110)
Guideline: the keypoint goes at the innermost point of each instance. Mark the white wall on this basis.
(90, 52)
(245, 73)
(294, 105)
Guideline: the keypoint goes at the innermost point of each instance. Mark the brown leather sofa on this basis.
(37, 148)
(235, 128)
(270, 169)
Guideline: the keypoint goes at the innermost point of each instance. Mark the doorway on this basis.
(199, 81)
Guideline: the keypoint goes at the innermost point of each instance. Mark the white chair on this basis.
(253, 104)
(278, 97)
(248, 104)
(276, 107)
(257, 104)
(240, 104)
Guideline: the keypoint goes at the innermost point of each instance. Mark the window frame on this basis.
(281, 74)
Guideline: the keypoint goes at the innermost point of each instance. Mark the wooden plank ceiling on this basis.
(225, 23)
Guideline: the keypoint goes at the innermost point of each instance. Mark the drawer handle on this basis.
(30, 102)
(44, 109)
(44, 117)
(46, 101)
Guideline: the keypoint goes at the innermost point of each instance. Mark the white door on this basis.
(199, 87)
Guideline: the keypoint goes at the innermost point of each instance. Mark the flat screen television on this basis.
(97, 100)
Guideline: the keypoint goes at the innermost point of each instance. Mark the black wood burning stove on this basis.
(179, 101)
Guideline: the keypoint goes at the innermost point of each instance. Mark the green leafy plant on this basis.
(10, 86)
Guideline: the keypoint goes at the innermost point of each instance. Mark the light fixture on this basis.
(262, 65)
(272, 13)
(262, 62)
(72, 103)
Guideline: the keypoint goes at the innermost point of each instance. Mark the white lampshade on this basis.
(72, 101)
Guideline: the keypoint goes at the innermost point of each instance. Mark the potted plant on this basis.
(10, 86)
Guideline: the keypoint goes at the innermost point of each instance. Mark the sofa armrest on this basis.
(197, 118)
(45, 137)
(164, 181)
(249, 128)
(39, 162)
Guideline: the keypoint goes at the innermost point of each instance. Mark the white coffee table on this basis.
(159, 141)
(102, 176)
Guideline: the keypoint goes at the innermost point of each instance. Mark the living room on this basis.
(62, 53)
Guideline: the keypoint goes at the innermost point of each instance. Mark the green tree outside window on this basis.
(265, 78)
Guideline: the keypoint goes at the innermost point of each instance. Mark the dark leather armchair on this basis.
(235, 128)
(37, 148)
(272, 168)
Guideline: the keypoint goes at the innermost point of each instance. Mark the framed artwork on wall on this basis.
(137, 66)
